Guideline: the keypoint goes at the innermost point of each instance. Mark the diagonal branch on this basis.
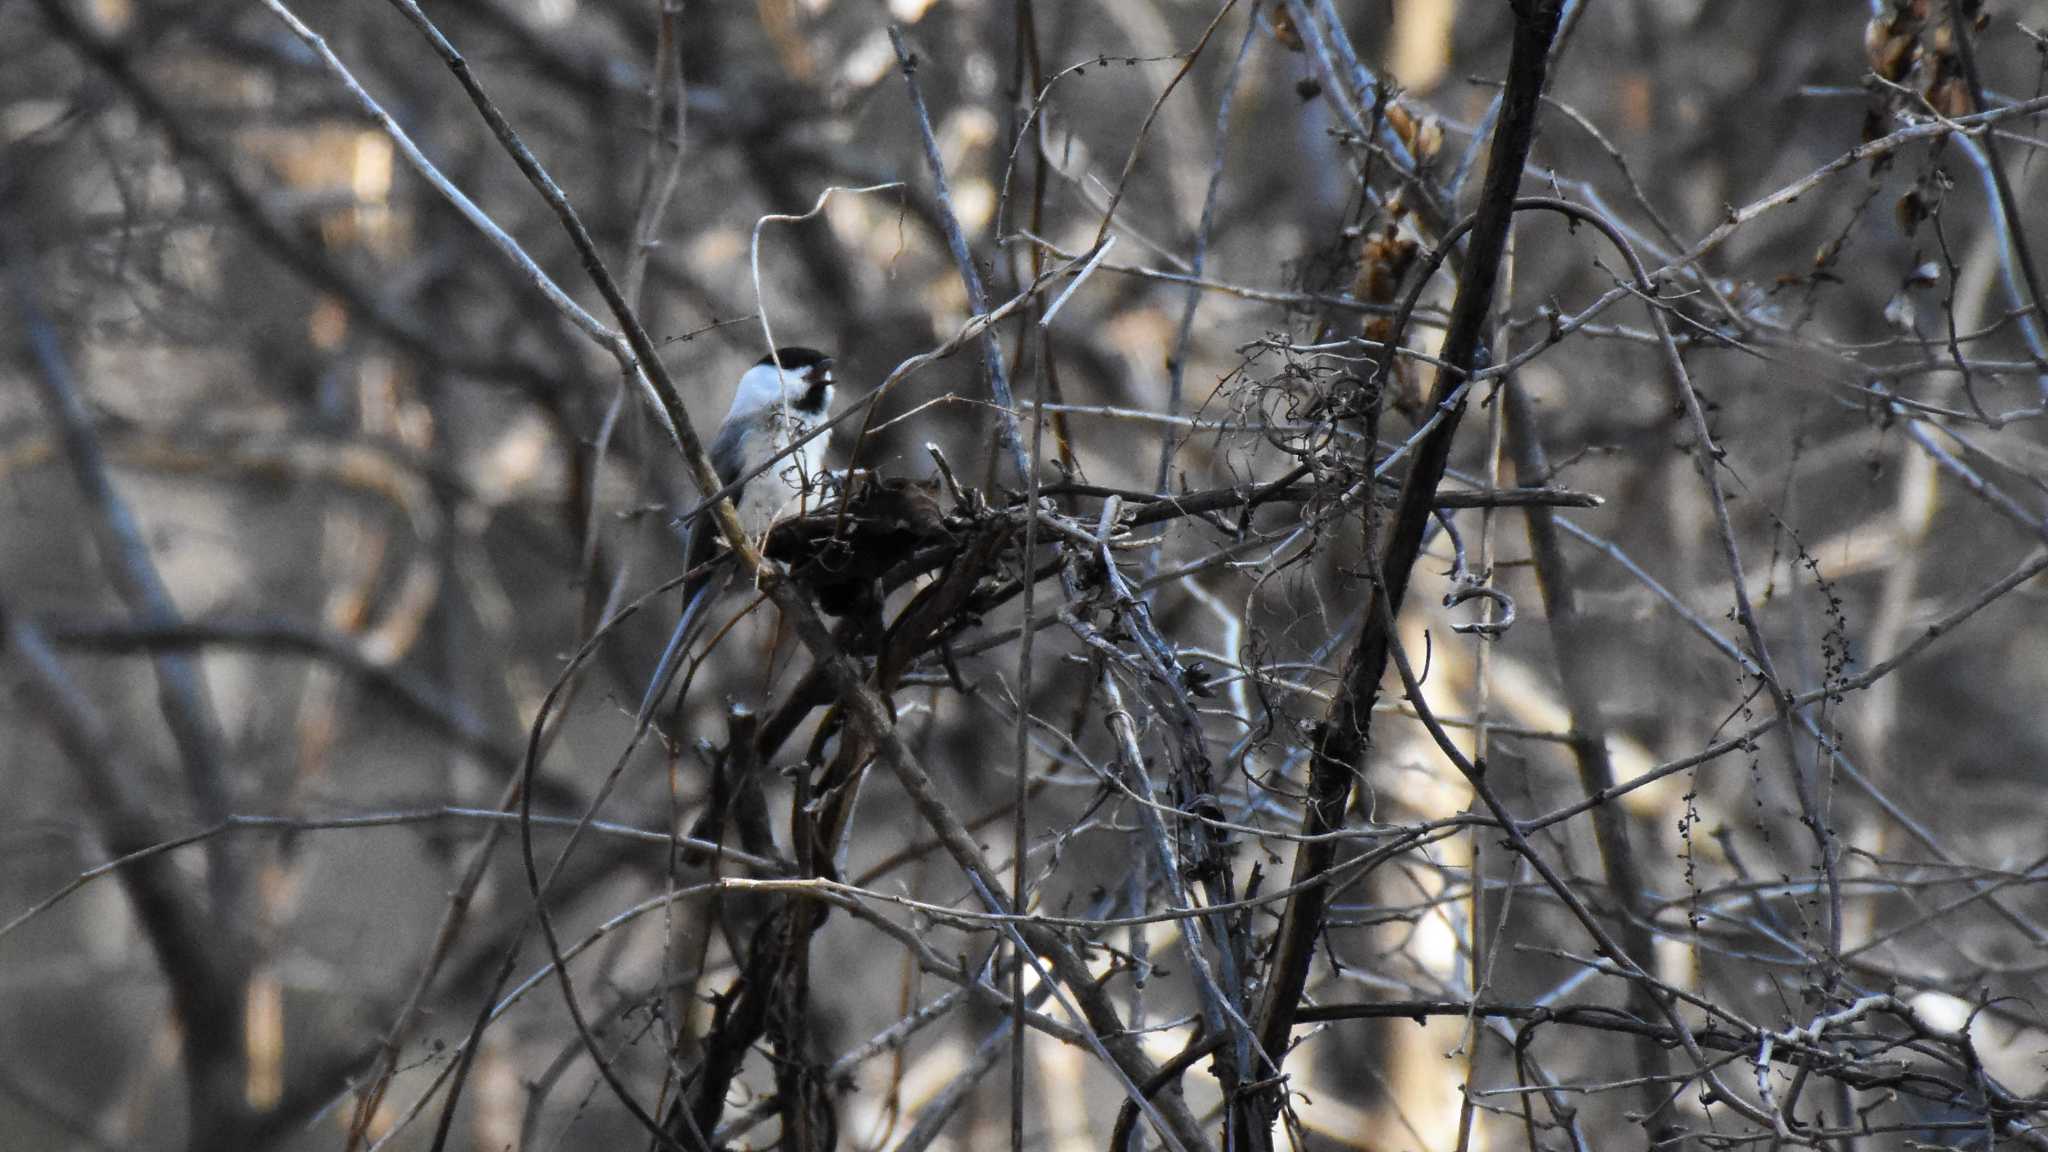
(187, 706)
(963, 257)
(1342, 739)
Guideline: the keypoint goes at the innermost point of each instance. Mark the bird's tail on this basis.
(698, 589)
(696, 597)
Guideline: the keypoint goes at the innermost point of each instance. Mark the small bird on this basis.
(781, 399)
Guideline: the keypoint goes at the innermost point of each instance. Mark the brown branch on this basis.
(204, 981)
(1341, 740)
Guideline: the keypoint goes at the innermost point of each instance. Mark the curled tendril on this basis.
(1492, 629)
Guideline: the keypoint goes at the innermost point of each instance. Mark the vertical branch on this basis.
(2008, 203)
(1020, 817)
(668, 107)
(1009, 436)
(1483, 950)
(1176, 368)
(1342, 738)
(1571, 651)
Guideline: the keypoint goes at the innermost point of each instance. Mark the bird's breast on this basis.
(790, 486)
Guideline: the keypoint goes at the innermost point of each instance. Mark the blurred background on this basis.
(311, 495)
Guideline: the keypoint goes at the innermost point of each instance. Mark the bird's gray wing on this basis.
(728, 455)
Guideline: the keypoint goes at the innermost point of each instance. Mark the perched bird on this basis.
(781, 399)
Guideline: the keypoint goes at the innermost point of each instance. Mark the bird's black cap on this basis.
(796, 357)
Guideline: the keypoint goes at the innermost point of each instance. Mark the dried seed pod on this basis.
(1285, 32)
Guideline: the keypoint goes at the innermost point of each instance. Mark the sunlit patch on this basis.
(867, 62)
(974, 199)
(717, 247)
(963, 135)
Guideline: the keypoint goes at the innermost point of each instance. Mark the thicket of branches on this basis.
(1414, 575)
